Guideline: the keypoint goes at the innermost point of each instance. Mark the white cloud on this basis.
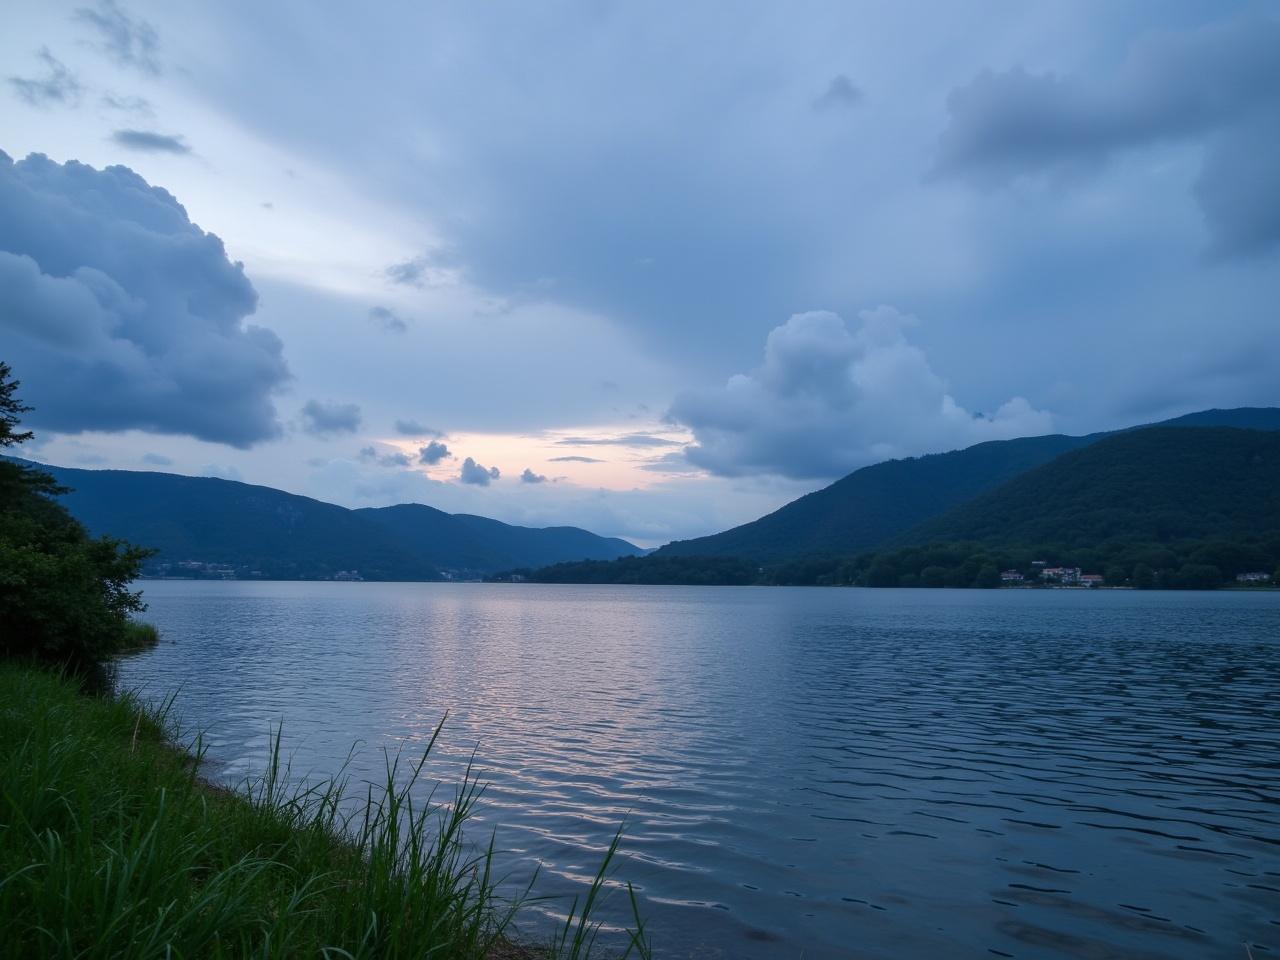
(829, 399)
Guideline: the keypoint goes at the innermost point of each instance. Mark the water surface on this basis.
(804, 772)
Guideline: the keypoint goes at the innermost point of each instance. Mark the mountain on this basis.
(1157, 485)
(877, 503)
(481, 545)
(220, 526)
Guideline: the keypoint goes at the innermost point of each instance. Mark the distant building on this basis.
(1038, 563)
(352, 575)
(1255, 577)
(1091, 579)
(1011, 576)
(1061, 574)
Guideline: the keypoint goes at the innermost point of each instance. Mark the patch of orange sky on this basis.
(617, 460)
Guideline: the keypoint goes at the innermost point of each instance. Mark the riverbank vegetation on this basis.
(112, 846)
(1144, 565)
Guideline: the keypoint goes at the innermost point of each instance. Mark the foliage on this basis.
(64, 595)
(1156, 486)
(114, 848)
(10, 409)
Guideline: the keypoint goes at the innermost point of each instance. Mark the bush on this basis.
(64, 595)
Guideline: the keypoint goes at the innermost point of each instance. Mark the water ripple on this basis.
(833, 773)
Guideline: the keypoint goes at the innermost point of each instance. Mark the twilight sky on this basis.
(651, 269)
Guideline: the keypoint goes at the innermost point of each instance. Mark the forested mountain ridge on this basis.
(875, 504)
(205, 526)
(1160, 484)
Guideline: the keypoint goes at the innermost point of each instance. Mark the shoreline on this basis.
(280, 866)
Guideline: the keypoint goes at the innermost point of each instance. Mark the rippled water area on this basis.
(814, 773)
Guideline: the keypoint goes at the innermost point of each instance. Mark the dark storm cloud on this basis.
(412, 428)
(433, 453)
(391, 458)
(476, 474)
(105, 284)
(830, 398)
(1219, 84)
(841, 94)
(130, 42)
(530, 477)
(388, 320)
(626, 440)
(57, 87)
(327, 419)
(575, 460)
(150, 142)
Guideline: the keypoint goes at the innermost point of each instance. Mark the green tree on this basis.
(1144, 578)
(988, 577)
(64, 595)
(10, 409)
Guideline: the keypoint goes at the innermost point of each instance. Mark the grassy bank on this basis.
(111, 846)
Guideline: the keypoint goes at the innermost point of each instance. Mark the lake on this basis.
(803, 772)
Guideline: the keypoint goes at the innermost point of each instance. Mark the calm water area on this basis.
(817, 773)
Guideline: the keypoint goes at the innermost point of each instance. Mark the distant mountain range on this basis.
(1156, 485)
(1180, 506)
(202, 526)
(873, 506)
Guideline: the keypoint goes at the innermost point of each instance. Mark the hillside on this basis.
(259, 531)
(877, 503)
(1156, 485)
(478, 544)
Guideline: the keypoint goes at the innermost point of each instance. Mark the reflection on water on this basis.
(817, 772)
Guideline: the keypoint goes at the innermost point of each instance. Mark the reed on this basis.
(112, 846)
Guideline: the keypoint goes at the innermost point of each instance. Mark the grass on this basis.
(112, 846)
(138, 636)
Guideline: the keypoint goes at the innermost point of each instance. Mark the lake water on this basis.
(804, 772)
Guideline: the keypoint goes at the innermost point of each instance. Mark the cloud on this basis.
(327, 419)
(675, 462)
(428, 270)
(412, 428)
(58, 86)
(388, 320)
(841, 94)
(393, 458)
(409, 272)
(130, 42)
(530, 477)
(139, 105)
(157, 460)
(433, 453)
(476, 474)
(626, 440)
(829, 399)
(149, 141)
(221, 472)
(106, 284)
(1218, 84)
(575, 460)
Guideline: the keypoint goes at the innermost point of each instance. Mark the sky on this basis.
(649, 269)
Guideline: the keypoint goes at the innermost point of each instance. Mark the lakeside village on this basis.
(1039, 575)
(201, 570)
(1043, 575)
